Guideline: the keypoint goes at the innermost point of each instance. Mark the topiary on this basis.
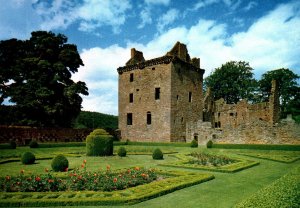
(97, 132)
(122, 152)
(194, 143)
(27, 158)
(33, 144)
(60, 163)
(157, 154)
(12, 144)
(209, 144)
(99, 145)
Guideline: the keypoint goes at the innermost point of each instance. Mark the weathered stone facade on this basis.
(158, 97)
(161, 100)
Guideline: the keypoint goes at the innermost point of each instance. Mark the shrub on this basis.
(60, 163)
(209, 144)
(99, 145)
(27, 158)
(194, 143)
(122, 152)
(12, 145)
(157, 154)
(33, 144)
(97, 132)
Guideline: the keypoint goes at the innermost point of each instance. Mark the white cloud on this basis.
(164, 2)
(272, 42)
(203, 3)
(168, 18)
(90, 14)
(250, 5)
(146, 17)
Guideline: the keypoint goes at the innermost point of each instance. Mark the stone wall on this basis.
(23, 135)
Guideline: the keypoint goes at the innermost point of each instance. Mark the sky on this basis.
(265, 33)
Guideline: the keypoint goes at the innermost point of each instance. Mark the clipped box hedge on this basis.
(176, 180)
(284, 192)
(288, 147)
(240, 164)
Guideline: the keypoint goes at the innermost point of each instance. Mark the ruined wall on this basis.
(23, 135)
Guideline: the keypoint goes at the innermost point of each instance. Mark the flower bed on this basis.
(285, 157)
(167, 183)
(79, 180)
(209, 162)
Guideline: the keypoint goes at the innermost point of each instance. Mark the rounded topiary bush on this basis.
(28, 158)
(12, 145)
(99, 143)
(194, 143)
(60, 163)
(209, 144)
(122, 152)
(33, 144)
(157, 154)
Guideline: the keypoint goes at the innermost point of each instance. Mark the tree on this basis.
(233, 81)
(36, 77)
(287, 86)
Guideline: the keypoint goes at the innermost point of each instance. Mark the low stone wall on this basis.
(23, 134)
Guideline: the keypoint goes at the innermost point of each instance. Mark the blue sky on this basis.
(265, 33)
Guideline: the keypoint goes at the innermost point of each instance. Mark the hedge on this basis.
(288, 147)
(284, 192)
(240, 165)
(170, 144)
(176, 180)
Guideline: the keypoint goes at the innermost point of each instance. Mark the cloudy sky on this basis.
(265, 33)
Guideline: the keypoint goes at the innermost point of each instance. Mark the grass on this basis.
(226, 190)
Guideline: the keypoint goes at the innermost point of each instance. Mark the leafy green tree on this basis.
(233, 81)
(36, 77)
(288, 87)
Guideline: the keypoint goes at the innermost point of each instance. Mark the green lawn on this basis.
(226, 190)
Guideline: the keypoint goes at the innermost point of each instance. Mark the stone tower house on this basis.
(158, 97)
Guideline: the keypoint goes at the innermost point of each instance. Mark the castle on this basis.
(161, 100)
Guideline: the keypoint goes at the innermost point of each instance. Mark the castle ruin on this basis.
(161, 100)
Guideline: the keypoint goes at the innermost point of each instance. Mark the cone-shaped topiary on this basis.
(27, 158)
(99, 143)
(194, 143)
(60, 163)
(157, 154)
(33, 144)
(122, 152)
(209, 144)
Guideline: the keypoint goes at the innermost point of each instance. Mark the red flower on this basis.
(137, 168)
(128, 171)
(79, 177)
(84, 161)
(37, 178)
(50, 180)
(82, 165)
(7, 178)
(108, 167)
(115, 180)
(95, 174)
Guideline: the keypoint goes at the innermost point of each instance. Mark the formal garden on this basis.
(102, 172)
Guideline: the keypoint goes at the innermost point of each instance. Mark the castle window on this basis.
(157, 93)
(131, 97)
(181, 119)
(129, 118)
(153, 68)
(190, 96)
(149, 119)
(231, 114)
(131, 77)
(177, 97)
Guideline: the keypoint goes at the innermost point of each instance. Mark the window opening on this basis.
(131, 77)
(129, 118)
(131, 97)
(149, 119)
(190, 96)
(157, 93)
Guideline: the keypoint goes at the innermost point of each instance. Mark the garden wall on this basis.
(23, 134)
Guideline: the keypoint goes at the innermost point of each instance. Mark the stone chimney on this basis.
(136, 57)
